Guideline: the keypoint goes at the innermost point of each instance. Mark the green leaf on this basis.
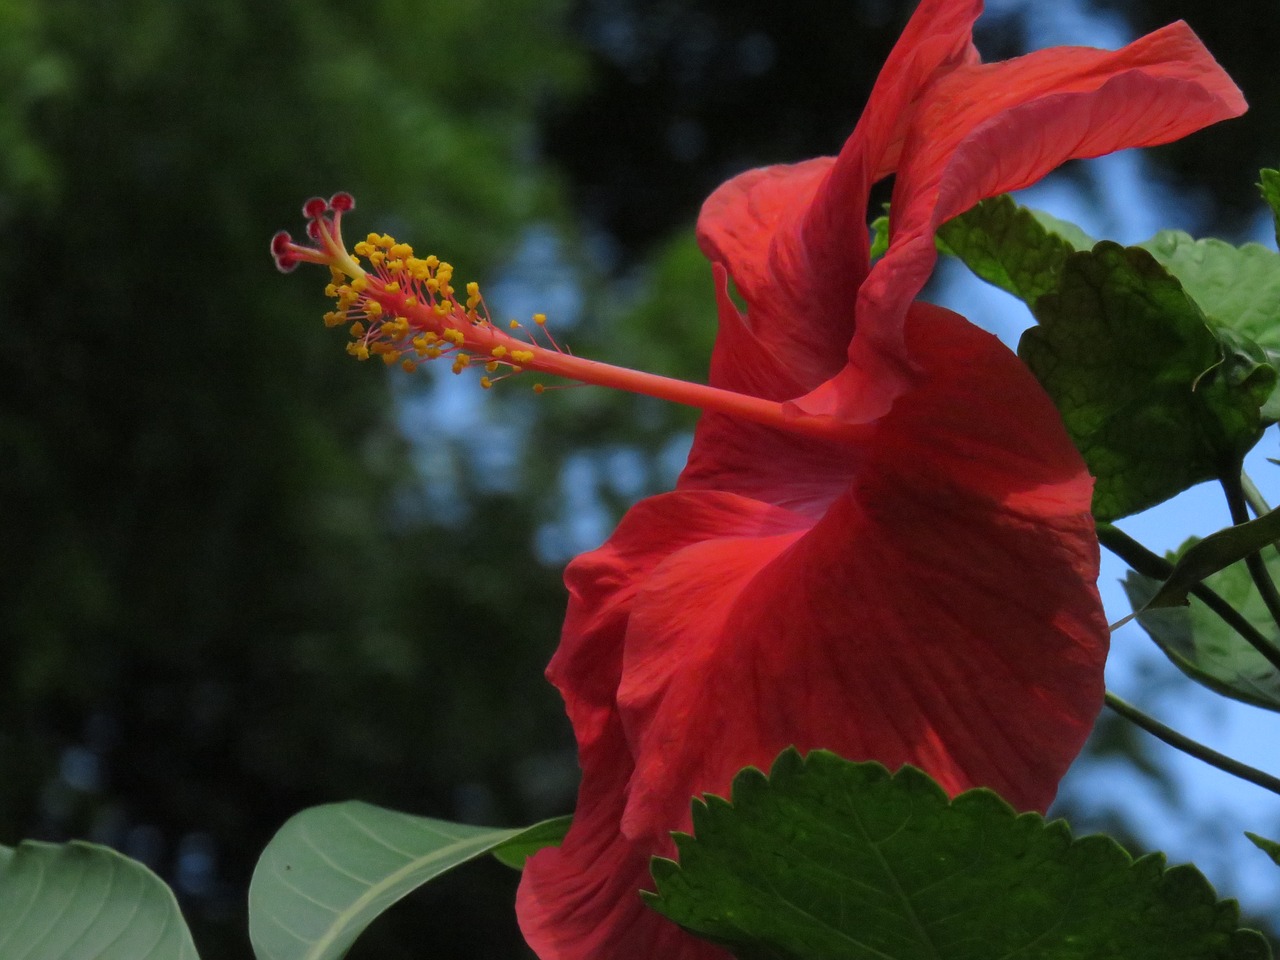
(1154, 401)
(80, 901)
(1269, 847)
(331, 870)
(879, 236)
(1016, 249)
(548, 833)
(1194, 637)
(1237, 288)
(845, 861)
(1270, 188)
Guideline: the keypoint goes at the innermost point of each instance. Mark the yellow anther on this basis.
(514, 324)
(390, 358)
(410, 301)
(331, 290)
(440, 309)
(454, 336)
(373, 308)
(408, 366)
(386, 242)
(492, 366)
(358, 350)
(362, 249)
(486, 382)
(396, 264)
(432, 285)
(473, 289)
(357, 329)
(360, 284)
(540, 319)
(392, 287)
(432, 261)
(522, 356)
(433, 353)
(461, 362)
(382, 348)
(334, 318)
(401, 250)
(538, 388)
(499, 351)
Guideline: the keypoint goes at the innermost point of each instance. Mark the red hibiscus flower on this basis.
(901, 567)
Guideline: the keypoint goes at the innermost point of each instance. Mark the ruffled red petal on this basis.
(942, 612)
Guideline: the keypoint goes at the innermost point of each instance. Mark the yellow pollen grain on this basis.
(492, 366)
(360, 284)
(392, 287)
(514, 324)
(357, 329)
(401, 250)
(540, 319)
(522, 356)
(499, 351)
(362, 249)
(486, 382)
(373, 308)
(454, 336)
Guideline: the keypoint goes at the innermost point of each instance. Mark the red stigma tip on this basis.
(341, 202)
(285, 261)
(314, 208)
(313, 229)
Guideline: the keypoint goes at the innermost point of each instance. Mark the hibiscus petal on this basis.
(943, 612)
(794, 237)
(987, 129)
(580, 901)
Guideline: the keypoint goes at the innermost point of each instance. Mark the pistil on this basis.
(405, 310)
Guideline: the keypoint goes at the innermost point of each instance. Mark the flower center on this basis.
(405, 309)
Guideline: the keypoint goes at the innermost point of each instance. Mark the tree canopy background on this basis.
(241, 574)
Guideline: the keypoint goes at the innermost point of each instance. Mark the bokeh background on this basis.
(241, 575)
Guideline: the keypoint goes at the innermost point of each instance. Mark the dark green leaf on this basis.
(548, 833)
(1014, 248)
(1237, 288)
(80, 901)
(1197, 640)
(1270, 187)
(1154, 401)
(1269, 847)
(844, 861)
(1201, 558)
(332, 870)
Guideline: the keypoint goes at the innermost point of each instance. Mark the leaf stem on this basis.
(1190, 747)
(1158, 568)
(1253, 496)
(1233, 487)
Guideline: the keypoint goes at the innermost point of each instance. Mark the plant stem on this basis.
(1158, 568)
(1191, 747)
(1253, 496)
(1233, 487)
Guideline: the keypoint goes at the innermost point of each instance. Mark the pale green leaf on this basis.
(332, 870)
(81, 901)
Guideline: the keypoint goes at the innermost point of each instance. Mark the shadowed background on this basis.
(240, 574)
